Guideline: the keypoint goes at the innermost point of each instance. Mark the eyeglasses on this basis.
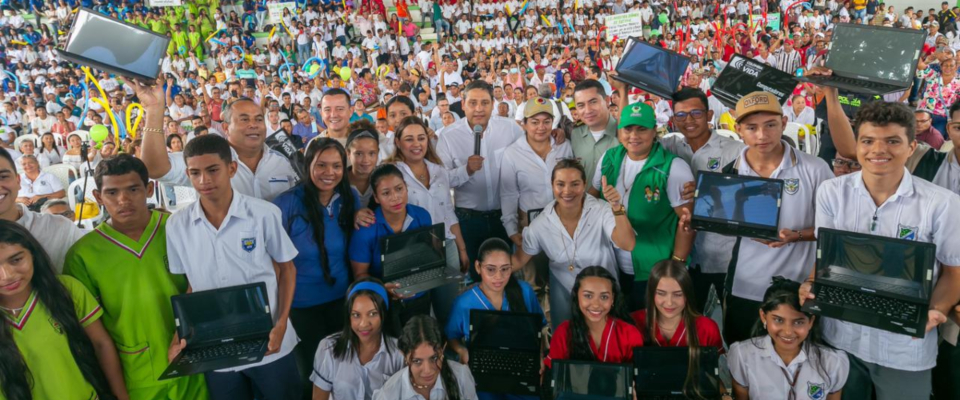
(853, 165)
(696, 114)
(923, 121)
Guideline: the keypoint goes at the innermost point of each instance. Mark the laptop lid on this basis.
(592, 380)
(875, 53)
(223, 314)
(743, 76)
(413, 251)
(650, 68)
(662, 371)
(737, 200)
(93, 41)
(876, 261)
(505, 330)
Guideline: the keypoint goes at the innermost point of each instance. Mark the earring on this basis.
(764, 325)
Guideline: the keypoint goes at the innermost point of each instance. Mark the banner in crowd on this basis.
(624, 25)
(165, 3)
(773, 20)
(275, 10)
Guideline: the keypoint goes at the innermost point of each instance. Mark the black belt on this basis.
(476, 213)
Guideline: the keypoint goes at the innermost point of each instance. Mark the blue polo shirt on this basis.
(365, 243)
(458, 326)
(312, 289)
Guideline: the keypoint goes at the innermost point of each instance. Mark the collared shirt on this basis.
(55, 233)
(44, 184)
(712, 251)
(920, 211)
(948, 176)
(707, 331)
(436, 199)
(480, 191)
(588, 149)
(617, 342)
(365, 243)
(350, 380)
(400, 388)
(756, 262)
(755, 365)
(250, 239)
(525, 179)
(274, 174)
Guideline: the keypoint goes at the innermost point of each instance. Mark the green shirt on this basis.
(588, 149)
(43, 344)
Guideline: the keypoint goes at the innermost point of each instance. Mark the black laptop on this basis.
(877, 281)
(106, 43)
(871, 59)
(743, 76)
(737, 205)
(505, 351)
(224, 328)
(661, 373)
(417, 260)
(651, 68)
(591, 380)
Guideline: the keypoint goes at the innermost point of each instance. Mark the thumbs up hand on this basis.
(610, 193)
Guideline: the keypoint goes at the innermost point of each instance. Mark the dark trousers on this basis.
(312, 325)
(702, 283)
(867, 380)
(403, 311)
(946, 375)
(635, 292)
(477, 226)
(739, 318)
(278, 380)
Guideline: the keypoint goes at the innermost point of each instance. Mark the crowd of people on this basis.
(307, 138)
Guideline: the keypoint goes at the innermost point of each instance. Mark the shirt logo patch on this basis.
(815, 391)
(248, 244)
(907, 232)
(791, 185)
(713, 163)
(56, 326)
(651, 195)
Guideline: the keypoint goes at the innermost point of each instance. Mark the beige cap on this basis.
(536, 106)
(758, 102)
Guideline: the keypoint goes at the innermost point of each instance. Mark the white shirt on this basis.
(274, 175)
(481, 191)
(241, 251)
(43, 125)
(437, 199)
(42, 159)
(400, 388)
(55, 233)
(755, 365)
(756, 263)
(525, 179)
(44, 184)
(350, 380)
(948, 176)
(806, 117)
(919, 210)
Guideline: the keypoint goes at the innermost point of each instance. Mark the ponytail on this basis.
(423, 329)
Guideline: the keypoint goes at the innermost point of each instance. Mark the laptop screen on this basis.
(743, 76)
(652, 69)
(875, 53)
(94, 37)
(663, 370)
(415, 249)
(862, 255)
(591, 380)
(505, 330)
(746, 200)
(221, 309)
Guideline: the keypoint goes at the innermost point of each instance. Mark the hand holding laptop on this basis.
(176, 346)
(786, 236)
(934, 319)
(276, 337)
(822, 71)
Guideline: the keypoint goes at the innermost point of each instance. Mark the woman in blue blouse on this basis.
(318, 214)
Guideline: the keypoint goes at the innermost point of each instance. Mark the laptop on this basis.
(877, 281)
(533, 214)
(417, 260)
(111, 45)
(650, 68)
(505, 351)
(224, 328)
(661, 373)
(591, 380)
(743, 76)
(871, 59)
(736, 205)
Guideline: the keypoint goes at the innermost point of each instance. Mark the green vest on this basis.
(650, 213)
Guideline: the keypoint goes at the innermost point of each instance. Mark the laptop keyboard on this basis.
(896, 289)
(220, 351)
(420, 277)
(859, 83)
(503, 362)
(881, 305)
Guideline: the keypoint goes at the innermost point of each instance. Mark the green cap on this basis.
(639, 113)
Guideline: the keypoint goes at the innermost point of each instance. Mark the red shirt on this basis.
(616, 343)
(707, 331)
(214, 108)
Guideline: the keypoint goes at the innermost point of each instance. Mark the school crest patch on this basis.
(713, 163)
(791, 185)
(56, 326)
(815, 391)
(248, 244)
(906, 232)
(648, 194)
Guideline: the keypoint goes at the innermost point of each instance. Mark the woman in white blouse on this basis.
(49, 148)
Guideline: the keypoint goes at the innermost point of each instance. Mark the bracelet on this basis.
(675, 258)
(800, 233)
(152, 130)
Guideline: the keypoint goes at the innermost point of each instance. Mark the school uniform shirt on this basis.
(436, 199)
(708, 333)
(919, 211)
(365, 242)
(400, 388)
(948, 175)
(458, 325)
(712, 251)
(755, 365)
(274, 174)
(55, 233)
(42, 159)
(591, 244)
(480, 191)
(241, 251)
(802, 174)
(350, 380)
(616, 343)
(43, 344)
(525, 179)
(43, 185)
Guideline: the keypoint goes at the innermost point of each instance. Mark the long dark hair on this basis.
(579, 343)
(512, 290)
(378, 174)
(347, 338)
(311, 202)
(43, 147)
(423, 329)
(15, 378)
(677, 271)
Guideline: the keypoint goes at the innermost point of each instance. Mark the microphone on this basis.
(477, 132)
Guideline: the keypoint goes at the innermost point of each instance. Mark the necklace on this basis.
(416, 386)
(13, 311)
(573, 259)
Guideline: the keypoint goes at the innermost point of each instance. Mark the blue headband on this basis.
(373, 287)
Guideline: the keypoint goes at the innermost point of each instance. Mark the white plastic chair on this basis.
(64, 172)
(21, 139)
(947, 147)
(792, 131)
(74, 191)
(84, 135)
(728, 133)
(182, 197)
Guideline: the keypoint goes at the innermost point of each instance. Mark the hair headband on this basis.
(373, 287)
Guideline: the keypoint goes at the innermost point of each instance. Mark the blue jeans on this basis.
(560, 303)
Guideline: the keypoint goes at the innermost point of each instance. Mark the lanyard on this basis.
(792, 382)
